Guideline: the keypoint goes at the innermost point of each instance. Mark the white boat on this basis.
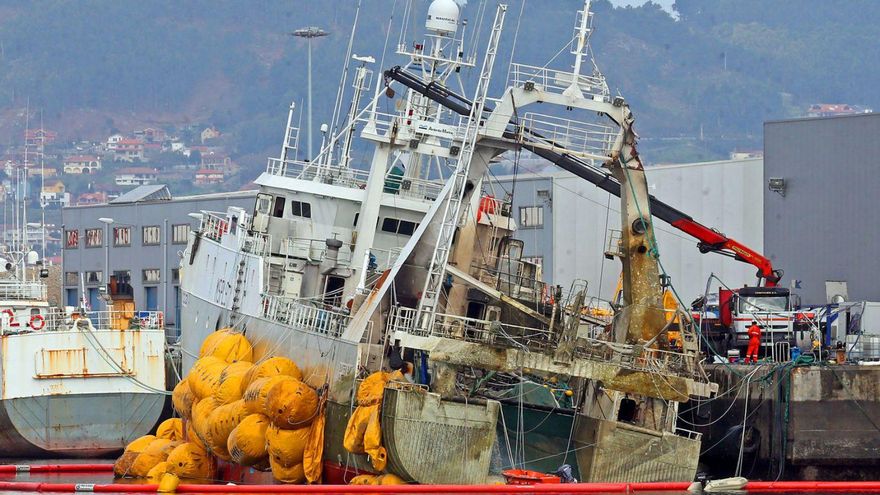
(75, 385)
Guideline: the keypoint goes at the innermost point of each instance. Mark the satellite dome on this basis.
(443, 17)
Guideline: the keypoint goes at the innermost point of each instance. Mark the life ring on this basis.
(37, 322)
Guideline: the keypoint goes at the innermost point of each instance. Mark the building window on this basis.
(71, 239)
(94, 237)
(71, 278)
(152, 235)
(180, 233)
(395, 226)
(152, 275)
(121, 236)
(94, 277)
(175, 274)
(301, 209)
(120, 283)
(531, 217)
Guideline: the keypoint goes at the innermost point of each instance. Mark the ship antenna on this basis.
(337, 107)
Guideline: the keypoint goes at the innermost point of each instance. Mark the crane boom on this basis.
(710, 240)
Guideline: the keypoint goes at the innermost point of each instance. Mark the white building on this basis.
(562, 220)
(136, 176)
(82, 164)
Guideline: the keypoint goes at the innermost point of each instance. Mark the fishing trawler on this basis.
(73, 382)
(348, 271)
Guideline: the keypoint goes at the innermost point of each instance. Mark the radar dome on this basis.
(443, 17)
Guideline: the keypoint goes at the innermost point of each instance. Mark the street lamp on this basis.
(308, 33)
(106, 221)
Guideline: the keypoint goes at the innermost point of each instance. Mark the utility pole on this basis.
(309, 33)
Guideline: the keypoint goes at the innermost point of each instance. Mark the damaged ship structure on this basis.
(457, 304)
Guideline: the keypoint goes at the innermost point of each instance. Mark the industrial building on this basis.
(565, 222)
(820, 177)
(137, 239)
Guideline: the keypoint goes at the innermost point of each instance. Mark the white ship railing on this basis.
(574, 137)
(557, 81)
(17, 290)
(530, 339)
(60, 320)
(313, 171)
(468, 329)
(413, 188)
(311, 319)
(214, 225)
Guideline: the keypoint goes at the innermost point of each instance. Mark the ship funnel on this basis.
(443, 17)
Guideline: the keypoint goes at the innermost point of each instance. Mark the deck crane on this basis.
(710, 240)
(765, 301)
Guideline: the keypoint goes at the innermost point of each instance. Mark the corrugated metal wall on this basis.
(825, 228)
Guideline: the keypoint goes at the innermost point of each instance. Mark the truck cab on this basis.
(772, 307)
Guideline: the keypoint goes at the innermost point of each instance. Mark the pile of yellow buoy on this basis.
(260, 415)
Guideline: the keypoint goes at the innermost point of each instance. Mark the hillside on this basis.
(718, 69)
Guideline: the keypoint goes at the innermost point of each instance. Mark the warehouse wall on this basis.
(726, 195)
(825, 226)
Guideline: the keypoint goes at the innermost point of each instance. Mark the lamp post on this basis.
(308, 33)
(106, 278)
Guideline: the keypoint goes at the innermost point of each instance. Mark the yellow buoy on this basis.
(291, 404)
(247, 442)
(274, 366)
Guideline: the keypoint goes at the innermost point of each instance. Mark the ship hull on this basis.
(79, 393)
(321, 358)
(89, 425)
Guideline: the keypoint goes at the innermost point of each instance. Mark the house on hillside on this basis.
(207, 176)
(54, 192)
(91, 198)
(210, 133)
(151, 135)
(46, 172)
(216, 160)
(129, 150)
(113, 140)
(39, 138)
(136, 176)
(82, 164)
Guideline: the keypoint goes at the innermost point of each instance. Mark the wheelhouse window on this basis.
(531, 217)
(121, 236)
(301, 209)
(94, 237)
(152, 235)
(180, 233)
(397, 226)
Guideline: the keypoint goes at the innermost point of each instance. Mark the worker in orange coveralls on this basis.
(754, 342)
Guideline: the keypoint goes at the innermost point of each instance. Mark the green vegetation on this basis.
(723, 66)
